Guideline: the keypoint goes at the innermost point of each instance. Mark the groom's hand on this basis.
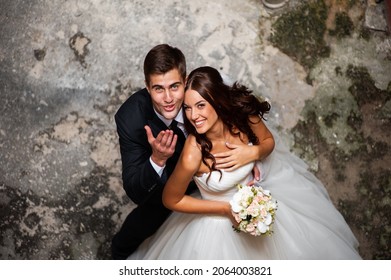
(256, 176)
(163, 146)
(237, 156)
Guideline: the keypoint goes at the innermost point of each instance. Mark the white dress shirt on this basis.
(179, 119)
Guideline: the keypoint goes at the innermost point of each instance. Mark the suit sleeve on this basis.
(140, 180)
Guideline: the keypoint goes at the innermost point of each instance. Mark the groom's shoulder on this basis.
(137, 102)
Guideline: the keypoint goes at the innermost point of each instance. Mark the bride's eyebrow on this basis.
(199, 102)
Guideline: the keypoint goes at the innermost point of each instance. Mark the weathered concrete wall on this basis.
(66, 66)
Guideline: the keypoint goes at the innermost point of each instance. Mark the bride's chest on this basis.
(219, 182)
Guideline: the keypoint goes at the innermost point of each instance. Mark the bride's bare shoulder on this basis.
(191, 143)
(191, 151)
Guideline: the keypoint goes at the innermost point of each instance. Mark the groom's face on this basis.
(167, 92)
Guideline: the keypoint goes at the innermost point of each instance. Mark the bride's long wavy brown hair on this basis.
(233, 104)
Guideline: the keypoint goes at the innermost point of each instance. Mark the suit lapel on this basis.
(156, 124)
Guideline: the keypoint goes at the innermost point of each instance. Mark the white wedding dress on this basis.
(307, 225)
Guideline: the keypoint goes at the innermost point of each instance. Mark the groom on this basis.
(151, 137)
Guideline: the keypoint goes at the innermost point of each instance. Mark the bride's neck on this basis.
(219, 134)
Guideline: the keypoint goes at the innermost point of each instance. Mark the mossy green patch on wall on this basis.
(363, 88)
(343, 26)
(374, 200)
(300, 33)
(333, 107)
(349, 106)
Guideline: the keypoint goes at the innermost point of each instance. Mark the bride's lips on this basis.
(199, 123)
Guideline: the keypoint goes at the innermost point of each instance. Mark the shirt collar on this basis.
(178, 118)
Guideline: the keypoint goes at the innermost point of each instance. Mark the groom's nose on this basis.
(167, 95)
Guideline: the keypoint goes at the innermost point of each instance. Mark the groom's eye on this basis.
(158, 89)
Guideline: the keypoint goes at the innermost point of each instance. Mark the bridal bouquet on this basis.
(254, 210)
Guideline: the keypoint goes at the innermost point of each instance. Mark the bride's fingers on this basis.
(235, 224)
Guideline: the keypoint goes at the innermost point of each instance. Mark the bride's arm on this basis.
(240, 155)
(174, 196)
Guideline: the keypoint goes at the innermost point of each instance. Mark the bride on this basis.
(306, 226)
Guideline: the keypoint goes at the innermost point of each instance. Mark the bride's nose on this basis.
(194, 115)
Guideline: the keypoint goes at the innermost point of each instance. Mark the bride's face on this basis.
(199, 112)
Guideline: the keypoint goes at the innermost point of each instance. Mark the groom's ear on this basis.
(146, 86)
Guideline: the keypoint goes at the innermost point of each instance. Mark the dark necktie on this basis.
(181, 137)
(179, 146)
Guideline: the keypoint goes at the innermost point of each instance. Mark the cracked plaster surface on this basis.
(61, 193)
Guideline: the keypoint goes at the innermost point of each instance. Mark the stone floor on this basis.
(66, 67)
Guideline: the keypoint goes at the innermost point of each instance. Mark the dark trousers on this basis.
(140, 224)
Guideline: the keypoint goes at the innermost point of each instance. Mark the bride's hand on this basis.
(235, 224)
(230, 215)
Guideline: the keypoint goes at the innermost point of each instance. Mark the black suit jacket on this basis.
(141, 182)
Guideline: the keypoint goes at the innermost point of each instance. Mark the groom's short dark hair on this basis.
(163, 58)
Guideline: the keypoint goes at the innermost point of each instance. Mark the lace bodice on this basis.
(223, 189)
